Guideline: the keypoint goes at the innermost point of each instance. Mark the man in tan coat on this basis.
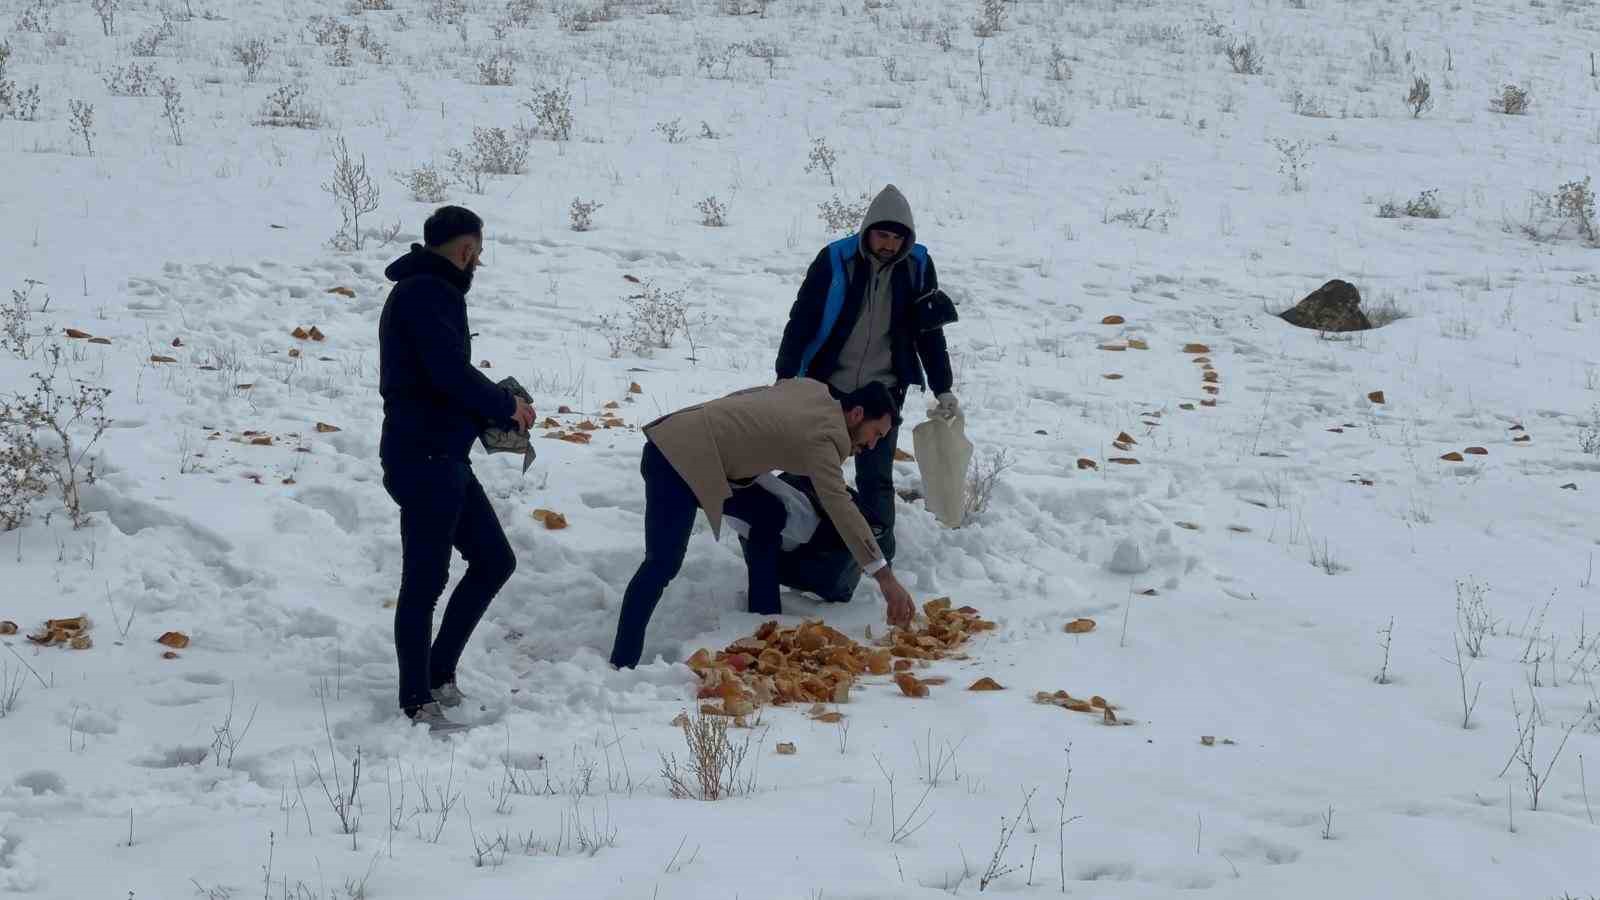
(707, 457)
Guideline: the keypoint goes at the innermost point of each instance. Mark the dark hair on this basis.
(891, 227)
(874, 400)
(448, 223)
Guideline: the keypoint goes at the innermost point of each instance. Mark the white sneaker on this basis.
(432, 715)
(448, 695)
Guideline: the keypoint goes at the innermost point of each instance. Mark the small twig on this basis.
(675, 853)
(1585, 784)
(1388, 638)
(1127, 606)
(28, 667)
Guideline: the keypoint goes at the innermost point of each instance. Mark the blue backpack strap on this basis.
(919, 266)
(839, 252)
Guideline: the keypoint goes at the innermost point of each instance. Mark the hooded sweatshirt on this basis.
(435, 401)
(868, 353)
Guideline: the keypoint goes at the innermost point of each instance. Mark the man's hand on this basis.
(902, 609)
(525, 415)
(948, 407)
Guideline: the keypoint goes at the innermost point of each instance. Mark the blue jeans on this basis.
(669, 510)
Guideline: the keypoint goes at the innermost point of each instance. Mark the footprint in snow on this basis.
(173, 757)
(42, 781)
(1250, 847)
(340, 505)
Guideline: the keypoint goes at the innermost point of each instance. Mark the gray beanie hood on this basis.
(890, 207)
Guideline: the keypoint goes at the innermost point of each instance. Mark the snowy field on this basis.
(1388, 652)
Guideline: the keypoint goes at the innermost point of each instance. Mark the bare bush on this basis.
(1573, 203)
(26, 106)
(445, 12)
(1474, 620)
(36, 16)
(1293, 162)
(578, 18)
(716, 62)
(1244, 57)
(8, 88)
(16, 321)
(997, 866)
(493, 151)
(843, 217)
(672, 131)
(1526, 753)
(106, 10)
(991, 18)
(1420, 98)
(354, 192)
(552, 112)
(582, 213)
(1512, 100)
(983, 476)
(1144, 218)
(713, 212)
(425, 184)
(72, 419)
(1057, 68)
(22, 105)
(327, 31)
(252, 54)
(172, 111)
(131, 80)
(81, 123)
(1051, 112)
(652, 318)
(377, 50)
(1423, 206)
(1589, 435)
(715, 768)
(766, 51)
(521, 12)
(497, 70)
(225, 741)
(822, 157)
(288, 107)
(149, 41)
(24, 473)
(363, 6)
(1308, 105)
(341, 56)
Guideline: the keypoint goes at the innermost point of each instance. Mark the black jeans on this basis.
(442, 505)
(875, 484)
(669, 510)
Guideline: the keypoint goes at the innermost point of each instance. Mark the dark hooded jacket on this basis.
(914, 358)
(435, 401)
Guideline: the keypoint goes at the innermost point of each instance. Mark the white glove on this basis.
(949, 407)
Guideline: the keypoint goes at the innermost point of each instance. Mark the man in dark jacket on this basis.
(435, 403)
(852, 323)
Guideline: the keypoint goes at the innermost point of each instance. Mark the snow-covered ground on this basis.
(1283, 538)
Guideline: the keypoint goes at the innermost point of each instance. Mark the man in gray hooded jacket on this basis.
(853, 322)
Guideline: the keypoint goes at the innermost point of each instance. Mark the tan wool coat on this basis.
(795, 426)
